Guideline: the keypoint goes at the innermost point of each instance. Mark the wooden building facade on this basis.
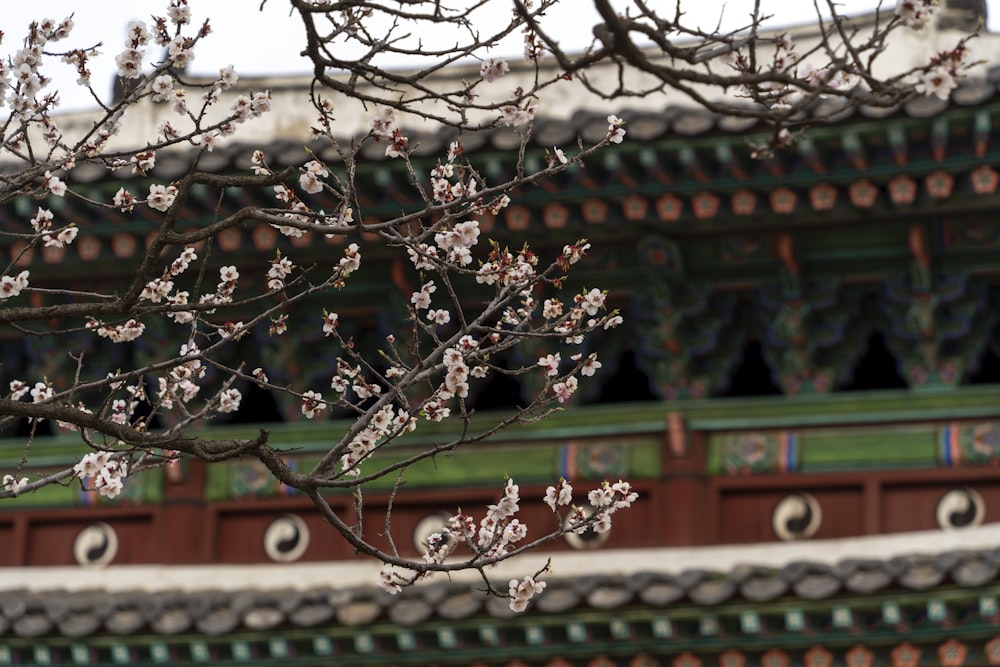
(812, 356)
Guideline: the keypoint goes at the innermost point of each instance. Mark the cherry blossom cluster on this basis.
(506, 268)
(493, 68)
(13, 484)
(603, 502)
(616, 129)
(281, 268)
(11, 286)
(42, 224)
(444, 191)
(23, 80)
(384, 128)
(446, 346)
(499, 531)
(941, 76)
(106, 473)
(386, 422)
(122, 409)
(117, 333)
(514, 115)
(916, 13)
(521, 592)
(181, 382)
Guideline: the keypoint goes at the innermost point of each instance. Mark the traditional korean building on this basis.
(806, 399)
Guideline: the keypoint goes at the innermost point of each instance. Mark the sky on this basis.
(268, 41)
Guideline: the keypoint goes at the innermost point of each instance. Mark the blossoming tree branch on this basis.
(134, 418)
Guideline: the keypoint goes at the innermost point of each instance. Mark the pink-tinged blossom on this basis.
(439, 317)
(163, 88)
(311, 178)
(916, 13)
(209, 140)
(493, 68)
(592, 301)
(312, 404)
(63, 237)
(42, 220)
(513, 115)
(602, 496)
(14, 485)
(351, 261)
(388, 580)
(936, 81)
(590, 366)
(18, 389)
(398, 144)
(121, 333)
(560, 495)
(11, 286)
(229, 400)
(161, 196)
(143, 162)
(421, 300)
(179, 12)
(563, 391)
(107, 474)
(330, 321)
(521, 592)
(124, 200)
(54, 185)
(383, 122)
(227, 77)
(178, 50)
(129, 63)
(603, 523)
(550, 363)
(615, 130)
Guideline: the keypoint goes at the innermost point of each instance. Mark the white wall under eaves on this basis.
(292, 115)
(565, 564)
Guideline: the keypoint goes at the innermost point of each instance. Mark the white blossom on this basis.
(15, 486)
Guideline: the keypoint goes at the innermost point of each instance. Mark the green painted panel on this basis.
(472, 465)
(881, 447)
(819, 450)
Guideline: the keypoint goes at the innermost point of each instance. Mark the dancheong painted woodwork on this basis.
(806, 398)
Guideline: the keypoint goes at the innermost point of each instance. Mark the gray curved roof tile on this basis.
(358, 613)
(763, 587)
(461, 604)
(662, 593)
(219, 622)
(548, 132)
(817, 586)
(975, 572)
(410, 612)
(212, 613)
(32, 625)
(558, 599)
(311, 614)
(172, 621)
(79, 625)
(609, 597)
(712, 591)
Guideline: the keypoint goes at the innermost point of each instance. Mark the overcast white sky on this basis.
(268, 41)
